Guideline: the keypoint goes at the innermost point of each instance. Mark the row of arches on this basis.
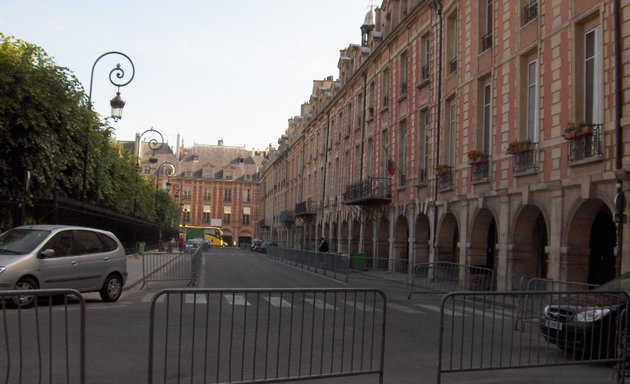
(578, 249)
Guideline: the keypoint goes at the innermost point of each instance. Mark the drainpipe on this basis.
(363, 123)
(325, 167)
(437, 5)
(620, 199)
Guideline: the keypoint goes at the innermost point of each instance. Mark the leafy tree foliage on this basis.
(45, 125)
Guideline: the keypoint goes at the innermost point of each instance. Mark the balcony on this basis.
(480, 170)
(585, 145)
(525, 160)
(286, 217)
(370, 190)
(531, 11)
(444, 176)
(306, 208)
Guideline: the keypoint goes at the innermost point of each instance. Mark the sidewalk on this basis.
(134, 271)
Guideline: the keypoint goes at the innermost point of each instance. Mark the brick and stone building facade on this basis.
(209, 183)
(444, 138)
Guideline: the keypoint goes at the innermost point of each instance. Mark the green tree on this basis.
(45, 124)
(42, 107)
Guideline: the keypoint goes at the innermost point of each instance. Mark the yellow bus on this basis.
(213, 235)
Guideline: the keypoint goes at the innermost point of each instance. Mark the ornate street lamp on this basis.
(117, 78)
(155, 143)
(169, 172)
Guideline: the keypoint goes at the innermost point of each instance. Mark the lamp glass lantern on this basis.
(117, 104)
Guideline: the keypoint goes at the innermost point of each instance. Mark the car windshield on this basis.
(19, 241)
(621, 283)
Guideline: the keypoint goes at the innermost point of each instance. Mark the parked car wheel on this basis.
(24, 284)
(112, 288)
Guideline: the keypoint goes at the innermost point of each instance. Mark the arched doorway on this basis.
(401, 239)
(343, 239)
(483, 243)
(423, 234)
(356, 236)
(601, 265)
(382, 246)
(530, 238)
(590, 244)
(368, 238)
(448, 240)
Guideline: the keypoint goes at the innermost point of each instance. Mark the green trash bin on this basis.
(141, 245)
(358, 261)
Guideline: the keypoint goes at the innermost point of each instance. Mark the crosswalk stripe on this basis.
(275, 301)
(191, 298)
(319, 304)
(238, 300)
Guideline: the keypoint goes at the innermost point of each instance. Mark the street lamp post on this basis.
(170, 172)
(118, 78)
(155, 142)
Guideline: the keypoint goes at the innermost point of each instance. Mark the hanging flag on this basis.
(391, 167)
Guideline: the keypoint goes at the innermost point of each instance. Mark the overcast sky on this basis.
(235, 70)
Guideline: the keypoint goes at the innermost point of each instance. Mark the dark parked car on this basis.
(585, 325)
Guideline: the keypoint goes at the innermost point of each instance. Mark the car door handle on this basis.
(73, 262)
(106, 258)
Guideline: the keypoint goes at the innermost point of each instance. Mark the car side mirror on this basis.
(46, 253)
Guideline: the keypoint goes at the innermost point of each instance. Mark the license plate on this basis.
(554, 324)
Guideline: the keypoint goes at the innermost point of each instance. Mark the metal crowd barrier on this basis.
(382, 268)
(531, 307)
(46, 342)
(171, 266)
(331, 264)
(265, 335)
(477, 331)
(448, 277)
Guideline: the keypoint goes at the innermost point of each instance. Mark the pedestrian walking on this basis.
(323, 245)
(181, 243)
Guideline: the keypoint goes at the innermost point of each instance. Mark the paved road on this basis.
(117, 333)
(412, 325)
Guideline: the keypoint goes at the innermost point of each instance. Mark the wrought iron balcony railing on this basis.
(286, 217)
(531, 11)
(481, 170)
(525, 160)
(445, 179)
(586, 145)
(372, 189)
(306, 208)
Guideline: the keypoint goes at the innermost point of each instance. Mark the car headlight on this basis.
(591, 315)
(2, 269)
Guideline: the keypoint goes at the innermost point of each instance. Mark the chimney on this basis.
(220, 142)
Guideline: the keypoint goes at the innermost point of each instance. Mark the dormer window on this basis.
(195, 157)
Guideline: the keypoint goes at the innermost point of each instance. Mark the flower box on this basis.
(476, 157)
(575, 130)
(442, 169)
(519, 146)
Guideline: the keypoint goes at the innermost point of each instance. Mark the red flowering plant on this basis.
(476, 157)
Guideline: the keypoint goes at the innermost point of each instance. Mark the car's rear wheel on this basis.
(112, 288)
(25, 301)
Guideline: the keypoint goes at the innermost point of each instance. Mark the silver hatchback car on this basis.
(61, 256)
